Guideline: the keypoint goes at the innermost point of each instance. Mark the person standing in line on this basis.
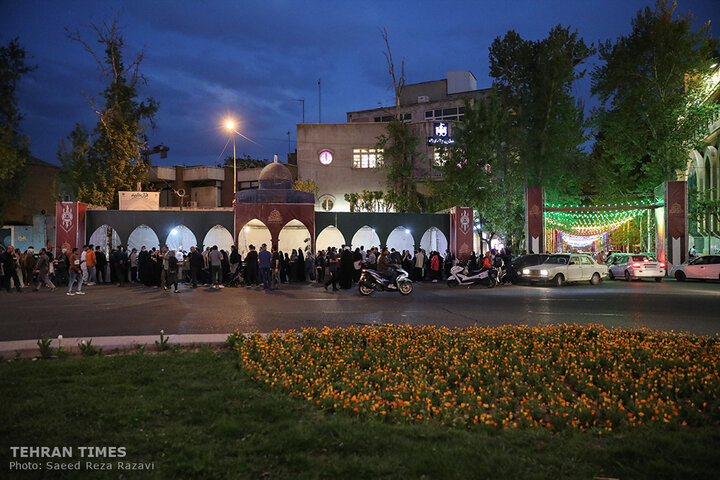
(310, 266)
(101, 263)
(320, 266)
(42, 266)
(419, 263)
(133, 265)
(165, 258)
(172, 277)
(196, 265)
(143, 260)
(83, 264)
(265, 258)
(29, 266)
(91, 263)
(251, 266)
(331, 261)
(234, 260)
(120, 264)
(215, 259)
(75, 274)
(275, 266)
(9, 265)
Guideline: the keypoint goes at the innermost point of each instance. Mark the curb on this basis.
(29, 348)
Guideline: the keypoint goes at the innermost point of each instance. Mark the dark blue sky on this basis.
(209, 60)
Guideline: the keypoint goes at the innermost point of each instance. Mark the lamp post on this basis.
(231, 126)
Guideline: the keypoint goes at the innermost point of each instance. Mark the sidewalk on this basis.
(29, 348)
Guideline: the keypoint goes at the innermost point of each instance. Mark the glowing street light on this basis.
(230, 125)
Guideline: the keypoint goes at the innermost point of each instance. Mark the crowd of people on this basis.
(168, 268)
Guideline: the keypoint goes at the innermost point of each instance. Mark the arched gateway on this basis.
(275, 203)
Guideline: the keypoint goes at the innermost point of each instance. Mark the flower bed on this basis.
(556, 377)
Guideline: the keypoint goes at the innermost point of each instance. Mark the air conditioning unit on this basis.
(423, 99)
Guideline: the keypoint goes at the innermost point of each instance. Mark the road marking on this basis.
(579, 313)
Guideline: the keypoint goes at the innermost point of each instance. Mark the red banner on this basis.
(676, 204)
(70, 224)
(461, 232)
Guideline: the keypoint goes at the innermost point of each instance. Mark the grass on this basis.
(200, 415)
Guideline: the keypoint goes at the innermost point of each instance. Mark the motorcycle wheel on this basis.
(365, 290)
(491, 283)
(405, 288)
(452, 283)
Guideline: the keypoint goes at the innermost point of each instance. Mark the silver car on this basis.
(629, 266)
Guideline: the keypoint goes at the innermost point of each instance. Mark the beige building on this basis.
(703, 175)
(342, 158)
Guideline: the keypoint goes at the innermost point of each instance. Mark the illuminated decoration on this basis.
(440, 132)
(586, 224)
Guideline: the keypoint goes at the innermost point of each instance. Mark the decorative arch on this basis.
(143, 235)
(220, 236)
(180, 238)
(253, 232)
(106, 237)
(331, 236)
(294, 235)
(401, 239)
(367, 237)
(434, 240)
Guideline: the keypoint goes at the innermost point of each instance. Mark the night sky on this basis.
(206, 61)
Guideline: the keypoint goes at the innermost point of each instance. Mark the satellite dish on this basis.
(181, 192)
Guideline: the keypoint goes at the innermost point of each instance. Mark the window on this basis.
(386, 118)
(455, 113)
(367, 157)
(327, 203)
(438, 159)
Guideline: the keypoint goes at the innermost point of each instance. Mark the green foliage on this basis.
(306, 186)
(703, 207)
(46, 349)
(87, 349)
(163, 343)
(14, 146)
(110, 158)
(367, 201)
(399, 145)
(546, 126)
(652, 85)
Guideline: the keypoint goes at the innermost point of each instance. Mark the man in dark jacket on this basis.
(196, 265)
(101, 260)
(251, 266)
(10, 267)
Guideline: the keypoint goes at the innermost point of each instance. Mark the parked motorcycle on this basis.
(459, 275)
(371, 281)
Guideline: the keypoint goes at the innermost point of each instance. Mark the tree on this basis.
(399, 146)
(306, 186)
(111, 158)
(651, 85)
(14, 146)
(534, 81)
(481, 169)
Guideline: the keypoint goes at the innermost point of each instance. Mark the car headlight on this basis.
(526, 271)
(543, 273)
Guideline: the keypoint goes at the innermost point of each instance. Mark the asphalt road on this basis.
(137, 310)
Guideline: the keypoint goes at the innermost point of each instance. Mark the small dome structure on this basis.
(275, 176)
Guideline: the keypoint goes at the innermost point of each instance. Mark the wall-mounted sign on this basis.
(139, 200)
(441, 135)
(326, 157)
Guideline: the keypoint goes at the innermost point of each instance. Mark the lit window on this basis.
(438, 158)
(367, 157)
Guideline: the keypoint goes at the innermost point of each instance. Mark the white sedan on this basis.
(565, 267)
(637, 266)
(704, 268)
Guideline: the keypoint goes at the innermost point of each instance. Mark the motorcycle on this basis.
(459, 275)
(371, 281)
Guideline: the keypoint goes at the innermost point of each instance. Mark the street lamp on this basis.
(230, 125)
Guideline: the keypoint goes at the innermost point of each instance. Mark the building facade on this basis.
(703, 177)
(342, 158)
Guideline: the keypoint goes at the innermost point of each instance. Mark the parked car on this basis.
(566, 267)
(706, 267)
(524, 261)
(631, 266)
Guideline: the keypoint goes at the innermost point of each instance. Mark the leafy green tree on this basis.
(14, 146)
(111, 158)
(534, 80)
(306, 186)
(652, 87)
(480, 170)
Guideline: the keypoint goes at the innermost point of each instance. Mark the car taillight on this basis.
(636, 265)
(363, 270)
(662, 265)
(645, 260)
